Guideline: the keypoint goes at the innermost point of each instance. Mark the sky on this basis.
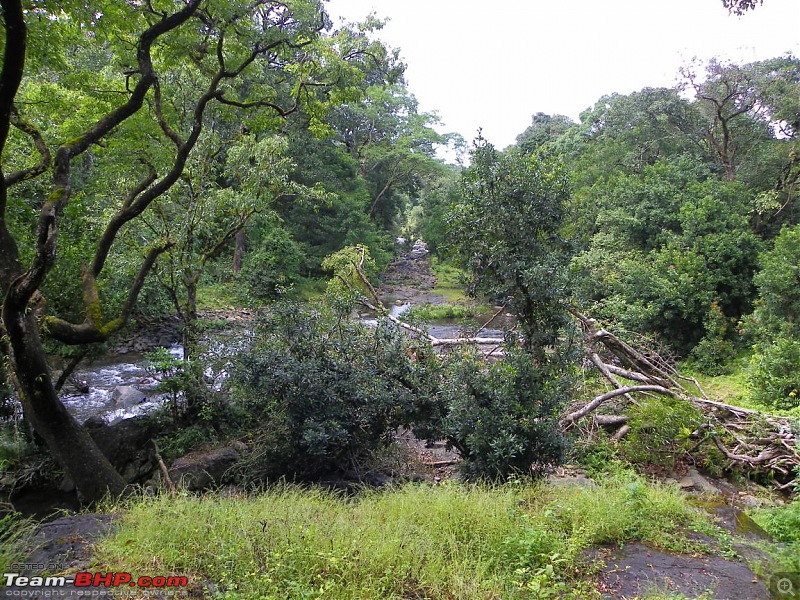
(492, 64)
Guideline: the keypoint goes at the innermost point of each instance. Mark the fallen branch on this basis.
(749, 439)
(598, 400)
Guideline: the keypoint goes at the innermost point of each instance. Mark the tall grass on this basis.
(14, 531)
(417, 541)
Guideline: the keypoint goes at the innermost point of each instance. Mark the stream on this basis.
(129, 374)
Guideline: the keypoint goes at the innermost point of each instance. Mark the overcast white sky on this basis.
(492, 64)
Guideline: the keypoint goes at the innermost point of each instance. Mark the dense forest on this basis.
(161, 159)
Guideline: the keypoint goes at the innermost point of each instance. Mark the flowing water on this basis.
(104, 376)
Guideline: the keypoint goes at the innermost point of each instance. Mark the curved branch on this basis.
(590, 406)
(24, 286)
(90, 331)
(41, 147)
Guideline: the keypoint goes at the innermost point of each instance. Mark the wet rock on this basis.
(200, 470)
(695, 482)
(125, 396)
(66, 542)
(750, 501)
(637, 570)
(419, 249)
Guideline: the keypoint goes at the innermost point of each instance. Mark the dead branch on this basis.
(749, 439)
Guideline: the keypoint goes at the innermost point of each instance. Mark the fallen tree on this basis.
(751, 441)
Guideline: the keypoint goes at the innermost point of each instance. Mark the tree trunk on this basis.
(67, 440)
(238, 252)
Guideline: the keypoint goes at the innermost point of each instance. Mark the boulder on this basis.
(125, 444)
(200, 470)
(125, 396)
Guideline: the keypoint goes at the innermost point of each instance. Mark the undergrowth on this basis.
(417, 541)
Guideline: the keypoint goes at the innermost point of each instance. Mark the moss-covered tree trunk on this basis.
(67, 440)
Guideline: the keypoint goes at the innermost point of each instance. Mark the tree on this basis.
(543, 128)
(736, 109)
(393, 144)
(668, 244)
(507, 230)
(222, 44)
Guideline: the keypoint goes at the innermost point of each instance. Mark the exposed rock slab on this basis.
(637, 570)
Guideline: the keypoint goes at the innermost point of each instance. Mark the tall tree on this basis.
(223, 43)
(507, 225)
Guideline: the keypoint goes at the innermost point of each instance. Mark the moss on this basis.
(112, 326)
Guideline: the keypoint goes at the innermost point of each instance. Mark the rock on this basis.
(126, 443)
(199, 470)
(419, 249)
(125, 396)
(63, 545)
(66, 542)
(749, 501)
(636, 570)
(702, 484)
(694, 481)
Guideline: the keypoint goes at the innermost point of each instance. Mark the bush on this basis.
(781, 522)
(713, 354)
(324, 395)
(774, 374)
(274, 267)
(660, 430)
(502, 417)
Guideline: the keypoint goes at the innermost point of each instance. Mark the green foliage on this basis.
(781, 522)
(351, 267)
(713, 354)
(434, 312)
(778, 284)
(659, 430)
(502, 416)
(671, 244)
(506, 227)
(173, 375)
(774, 374)
(515, 542)
(272, 269)
(14, 532)
(324, 394)
(450, 280)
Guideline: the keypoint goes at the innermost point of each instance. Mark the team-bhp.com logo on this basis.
(785, 585)
(84, 579)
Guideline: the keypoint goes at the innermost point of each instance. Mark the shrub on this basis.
(325, 394)
(713, 354)
(274, 267)
(502, 417)
(660, 429)
(774, 374)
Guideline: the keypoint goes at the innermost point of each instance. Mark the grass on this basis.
(218, 296)
(733, 389)
(450, 281)
(437, 312)
(783, 524)
(416, 541)
(13, 532)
